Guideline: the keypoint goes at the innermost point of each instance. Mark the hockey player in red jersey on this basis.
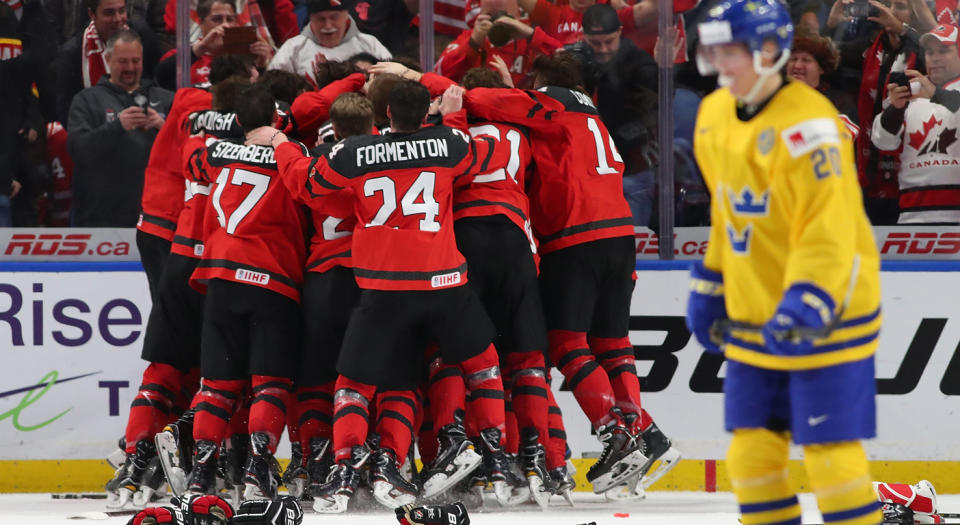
(252, 271)
(412, 276)
(585, 230)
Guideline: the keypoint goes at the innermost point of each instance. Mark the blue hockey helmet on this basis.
(751, 22)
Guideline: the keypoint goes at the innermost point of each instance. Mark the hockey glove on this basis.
(284, 510)
(205, 509)
(159, 516)
(803, 305)
(452, 514)
(897, 514)
(705, 305)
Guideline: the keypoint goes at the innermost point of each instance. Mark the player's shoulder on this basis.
(805, 119)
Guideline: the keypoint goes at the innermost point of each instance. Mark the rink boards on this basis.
(70, 338)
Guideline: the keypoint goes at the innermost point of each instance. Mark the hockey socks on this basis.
(315, 412)
(446, 392)
(153, 406)
(215, 405)
(757, 465)
(589, 383)
(482, 377)
(528, 391)
(396, 412)
(840, 477)
(268, 410)
(556, 441)
(615, 355)
(351, 412)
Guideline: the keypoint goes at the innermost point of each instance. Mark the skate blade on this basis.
(336, 506)
(632, 491)
(116, 458)
(252, 492)
(619, 473)
(518, 495)
(234, 495)
(124, 497)
(389, 498)
(568, 496)
(466, 462)
(540, 496)
(113, 501)
(503, 492)
(297, 487)
(169, 456)
(666, 462)
(142, 497)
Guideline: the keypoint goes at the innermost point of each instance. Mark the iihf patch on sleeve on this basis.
(809, 135)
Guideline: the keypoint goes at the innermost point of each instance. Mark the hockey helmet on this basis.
(751, 22)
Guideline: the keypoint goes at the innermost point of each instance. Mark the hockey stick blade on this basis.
(100, 516)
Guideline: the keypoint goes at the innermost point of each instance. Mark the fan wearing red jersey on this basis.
(411, 275)
(585, 230)
(252, 271)
(172, 337)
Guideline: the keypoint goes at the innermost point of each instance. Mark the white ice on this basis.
(660, 508)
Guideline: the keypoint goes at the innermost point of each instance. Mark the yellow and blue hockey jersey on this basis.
(787, 209)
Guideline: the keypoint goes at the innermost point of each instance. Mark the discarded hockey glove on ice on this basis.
(284, 510)
(802, 306)
(205, 509)
(451, 514)
(160, 516)
(705, 305)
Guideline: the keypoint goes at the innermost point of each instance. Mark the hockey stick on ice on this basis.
(798, 333)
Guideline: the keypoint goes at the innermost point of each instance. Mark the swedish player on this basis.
(792, 254)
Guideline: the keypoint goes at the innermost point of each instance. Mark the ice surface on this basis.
(660, 508)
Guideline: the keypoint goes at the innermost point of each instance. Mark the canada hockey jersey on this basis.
(258, 237)
(576, 191)
(403, 193)
(786, 209)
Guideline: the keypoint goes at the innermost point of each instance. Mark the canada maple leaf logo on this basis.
(918, 137)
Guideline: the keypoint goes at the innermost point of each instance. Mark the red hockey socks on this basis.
(556, 441)
(154, 405)
(616, 356)
(589, 383)
(482, 377)
(396, 411)
(217, 400)
(314, 412)
(268, 410)
(446, 392)
(351, 411)
(528, 390)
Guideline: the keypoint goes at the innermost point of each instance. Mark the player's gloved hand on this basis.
(451, 514)
(205, 509)
(802, 306)
(159, 516)
(897, 514)
(705, 305)
(284, 510)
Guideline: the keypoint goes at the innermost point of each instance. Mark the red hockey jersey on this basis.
(461, 55)
(576, 193)
(163, 186)
(403, 188)
(259, 234)
(311, 109)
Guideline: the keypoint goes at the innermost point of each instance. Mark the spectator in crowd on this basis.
(613, 67)
(148, 13)
(274, 19)
(921, 121)
(112, 128)
(69, 17)
(812, 60)
(499, 41)
(215, 17)
(331, 35)
(59, 194)
(22, 55)
(82, 59)
(387, 20)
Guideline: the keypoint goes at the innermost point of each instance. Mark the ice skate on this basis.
(319, 462)
(532, 459)
(141, 467)
(295, 477)
(113, 486)
(388, 485)
(562, 483)
(173, 453)
(455, 460)
(262, 474)
(496, 466)
(203, 476)
(657, 447)
(620, 460)
(333, 496)
(118, 457)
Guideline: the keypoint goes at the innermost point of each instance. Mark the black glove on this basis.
(160, 516)
(205, 509)
(452, 514)
(897, 514)
(284, 510)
